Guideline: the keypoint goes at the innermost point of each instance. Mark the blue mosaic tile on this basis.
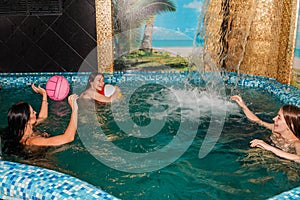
(286, 94)
(19, 181)
(293, 194)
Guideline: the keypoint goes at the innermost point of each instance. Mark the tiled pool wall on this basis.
(285, 93)
(19, 181)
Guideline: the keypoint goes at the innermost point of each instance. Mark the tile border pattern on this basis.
(20, 181)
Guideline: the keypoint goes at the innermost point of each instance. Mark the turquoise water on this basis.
(232, 170)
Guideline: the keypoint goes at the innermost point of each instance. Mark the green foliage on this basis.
(144, 9)
(153, 60)
(296, 78)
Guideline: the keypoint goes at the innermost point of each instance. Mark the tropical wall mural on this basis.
(296, 63)
(178, 28)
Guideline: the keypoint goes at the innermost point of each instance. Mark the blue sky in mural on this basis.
(297, 46)
(177, 28)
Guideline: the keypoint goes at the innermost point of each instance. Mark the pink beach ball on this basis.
(57, 88)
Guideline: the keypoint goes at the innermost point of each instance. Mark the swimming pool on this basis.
(230, 171)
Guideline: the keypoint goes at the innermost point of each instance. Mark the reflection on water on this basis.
(232, 170)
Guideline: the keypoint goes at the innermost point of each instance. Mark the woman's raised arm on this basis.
(249, 114)
(43, 114)
(68, 135)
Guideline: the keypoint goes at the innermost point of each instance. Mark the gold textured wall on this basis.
(288, 41)
(262, 48)
(212, 24)
(104, 35)
(252, 37)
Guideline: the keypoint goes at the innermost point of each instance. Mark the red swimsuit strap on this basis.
(101, 91)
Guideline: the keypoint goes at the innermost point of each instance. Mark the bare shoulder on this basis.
(297, 147)
(86, 94)
(297, 143)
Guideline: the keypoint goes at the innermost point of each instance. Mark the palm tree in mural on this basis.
(129, 17)
(148, 33)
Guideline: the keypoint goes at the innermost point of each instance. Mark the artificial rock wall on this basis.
(252, 37)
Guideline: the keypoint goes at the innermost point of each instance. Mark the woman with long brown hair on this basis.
(285, 130)
(22, 119)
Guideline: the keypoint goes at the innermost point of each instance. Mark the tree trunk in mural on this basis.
(104, 26)
(148, 33)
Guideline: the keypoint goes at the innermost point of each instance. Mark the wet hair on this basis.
(291, 116)
(18, 115)
(92, 78)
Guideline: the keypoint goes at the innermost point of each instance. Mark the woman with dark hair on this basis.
(285, 130)
(95, 89)
(22, 119)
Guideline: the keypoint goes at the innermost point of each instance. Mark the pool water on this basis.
(232, 170)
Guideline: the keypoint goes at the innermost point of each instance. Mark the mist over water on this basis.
(157, 101)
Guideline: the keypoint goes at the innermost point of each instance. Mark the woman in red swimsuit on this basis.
(95, 89)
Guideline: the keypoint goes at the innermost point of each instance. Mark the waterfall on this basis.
(222, 35)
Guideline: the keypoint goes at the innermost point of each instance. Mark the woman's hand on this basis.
(260, 144)
(239, 100)
(72, 100)
(117, 93)
(39, 89)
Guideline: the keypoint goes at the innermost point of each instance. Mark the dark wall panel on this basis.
(49, 43)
